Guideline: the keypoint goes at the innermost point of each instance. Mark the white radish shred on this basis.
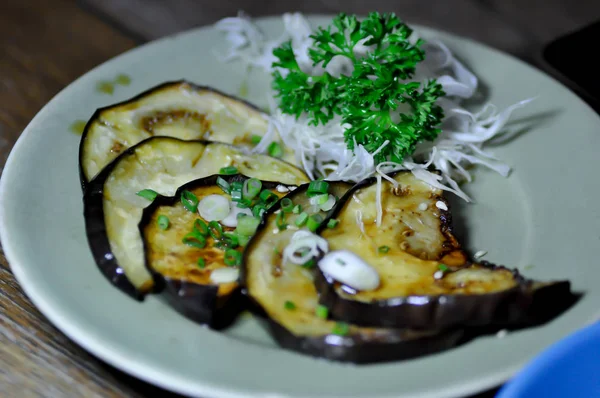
(224, 275)
(214, 207)
(232, 218)
(349, 269)
(303, 246)
(441, 205)
(322, 150)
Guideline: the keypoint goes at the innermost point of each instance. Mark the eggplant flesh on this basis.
(416, 291)
(112, 209)
(270, 282)
(177, 109)
(188, 286)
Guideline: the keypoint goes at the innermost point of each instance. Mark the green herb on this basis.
(194, 240)
(268, 198)
(322, 312)
(200, 228)
(301, 219)
(247, 225)
(259, 210)
(224, 185)
(280, 221)
(443, 267)
(147, 194)
(233, 258)
(287, 205)
(317, 187)
(251, 188)
(229, 170)
(289, 305)
(313, 222)
(275, 150)
(332, 223)
(310, 263)
(255, 139)
(341, 329)
(368, 98)
(215, 230)
(201, 263)
(163, 222)
(230, 240)
(383, 249)
(189, 201)
(297, 209)
(243, 239)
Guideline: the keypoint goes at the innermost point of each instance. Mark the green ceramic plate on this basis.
(545, 214)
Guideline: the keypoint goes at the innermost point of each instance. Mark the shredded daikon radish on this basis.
(322, 150)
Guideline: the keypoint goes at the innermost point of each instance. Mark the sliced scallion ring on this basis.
(214, 207)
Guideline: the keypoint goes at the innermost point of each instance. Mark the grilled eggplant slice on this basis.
(177, 109)
(187, 272)
(286, 294)
(425, 282)
(112, 209)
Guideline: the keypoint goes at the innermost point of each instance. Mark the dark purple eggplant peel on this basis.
(179, 109)
(187, 284)
(420, 289)
(285, 294)
(112, 208)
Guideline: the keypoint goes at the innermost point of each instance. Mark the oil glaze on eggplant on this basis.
(177, 109)
(270, 282)
(112, 209)
(187, 286)
(435, 288)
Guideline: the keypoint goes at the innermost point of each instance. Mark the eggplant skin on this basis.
(116, 127)
(524, 304)
(300, 330)
(202, 303)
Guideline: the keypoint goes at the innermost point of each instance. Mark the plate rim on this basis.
(86, 338)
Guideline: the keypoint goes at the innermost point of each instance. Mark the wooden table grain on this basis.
(47, 44)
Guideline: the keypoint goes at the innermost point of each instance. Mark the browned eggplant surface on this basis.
(286, 292)
(197, 259)
(177, 109)
(425, 280)
(113, 206)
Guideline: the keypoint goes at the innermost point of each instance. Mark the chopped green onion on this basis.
(200, 227)
(313, 222)
(237, 186)
(268, 197)
(255, 139)
(289, 305)
(297, 209)
(224, 185)
(443, 267)
(329, 203)
(162, 222)
(287, 205)
(247, 225)
(251, 188)
(244, 203)
(233, 258)
(201, 263)
(229, 170)
(147, 194)
(215, 230)
(189, 201)
(317, 187)
(243, 239)
(230, 240)
(275, 150)
(322, 312)
(259, 210)
(383, 249)
(332, 223)
(310, 263)
(194, 240)
(341, 329)
(236, 196)
(319, 199)
(280, 220)
(301, 219)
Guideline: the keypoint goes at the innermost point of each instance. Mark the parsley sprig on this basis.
(370, 97)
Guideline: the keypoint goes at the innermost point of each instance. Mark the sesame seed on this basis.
(423, 206)
(438, 275)
(441, 205)
(502, 333)
(282, 188)
(480, 254)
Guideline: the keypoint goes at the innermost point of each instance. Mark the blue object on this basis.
(569, 368)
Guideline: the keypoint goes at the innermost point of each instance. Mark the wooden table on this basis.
(47, 44)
